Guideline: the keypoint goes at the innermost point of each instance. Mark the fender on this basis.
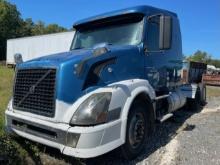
(189, 90)
(123, 95)
(132, 88)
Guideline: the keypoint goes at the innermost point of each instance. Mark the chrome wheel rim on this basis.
(136, 130)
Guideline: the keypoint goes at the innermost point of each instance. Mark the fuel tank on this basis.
(176, 100)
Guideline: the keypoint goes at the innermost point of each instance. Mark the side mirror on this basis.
(18, 58)
(165, 36)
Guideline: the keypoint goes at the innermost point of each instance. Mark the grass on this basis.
(13, 150)
(6, 80)
(213, 91)
(10, 151)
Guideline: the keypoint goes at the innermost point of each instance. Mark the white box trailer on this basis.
(37, 46)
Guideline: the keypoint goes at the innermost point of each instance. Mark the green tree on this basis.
(54, 28)
(13, 26)
(215, 62)
(10, 25)
(200, 56)
(39, 28)
(27, 27)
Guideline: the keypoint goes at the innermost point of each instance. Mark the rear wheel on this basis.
(203, 98)
(137, 131)
(194, 104)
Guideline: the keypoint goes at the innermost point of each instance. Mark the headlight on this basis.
(93, 110)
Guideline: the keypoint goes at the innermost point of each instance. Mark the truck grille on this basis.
(34, 91)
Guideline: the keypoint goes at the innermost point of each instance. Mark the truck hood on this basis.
(70, 86)
(57, 59)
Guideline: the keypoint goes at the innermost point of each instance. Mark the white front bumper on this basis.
(93, 140)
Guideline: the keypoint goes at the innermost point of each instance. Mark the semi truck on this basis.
(121, 75)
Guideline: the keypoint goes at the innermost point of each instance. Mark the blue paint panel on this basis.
(163, 68)
(145, 10)
(131, 62)
(68, 86)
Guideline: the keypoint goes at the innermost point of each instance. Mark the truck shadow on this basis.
(163, 134)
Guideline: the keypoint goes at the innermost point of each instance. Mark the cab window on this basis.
(152, 34)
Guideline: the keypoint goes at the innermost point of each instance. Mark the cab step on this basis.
(165, 117)
(162, 97)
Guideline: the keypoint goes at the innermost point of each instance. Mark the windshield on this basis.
(118, 34)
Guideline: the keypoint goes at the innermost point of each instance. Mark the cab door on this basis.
(156, 62)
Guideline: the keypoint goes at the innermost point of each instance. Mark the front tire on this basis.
(137, 132)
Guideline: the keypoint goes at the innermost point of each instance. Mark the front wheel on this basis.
(137, 131)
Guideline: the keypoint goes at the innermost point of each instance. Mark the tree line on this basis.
(202, 56)
(13, 26)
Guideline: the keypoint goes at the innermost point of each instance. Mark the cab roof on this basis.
(144, 9)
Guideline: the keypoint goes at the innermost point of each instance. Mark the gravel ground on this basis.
(187, 138)
(196, 141)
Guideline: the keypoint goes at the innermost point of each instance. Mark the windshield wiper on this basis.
(80, 47)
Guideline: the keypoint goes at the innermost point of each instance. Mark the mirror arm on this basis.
(145, 49)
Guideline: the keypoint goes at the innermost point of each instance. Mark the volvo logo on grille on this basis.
(32, 89)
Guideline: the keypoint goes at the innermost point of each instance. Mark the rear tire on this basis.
(137, 132)
(203, 98)
(194, 104)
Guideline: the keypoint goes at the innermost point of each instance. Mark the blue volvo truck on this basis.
(121, 75)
